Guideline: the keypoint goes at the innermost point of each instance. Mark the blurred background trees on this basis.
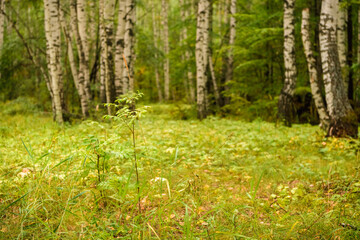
(109, 47)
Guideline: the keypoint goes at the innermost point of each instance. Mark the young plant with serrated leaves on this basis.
(129, 115)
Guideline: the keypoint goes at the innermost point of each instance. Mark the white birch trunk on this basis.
(53, 42)
(232, 35)
(119, 48)
(201, 52)
(82, 26)
(343, 121)
(109, 8)
(311, 61)
(128, 74)
(78, 75)
(190, 75)
(102, 51)
(164, 14)
(185, 58)
(156, 45)
(285, 107)
(341, 41)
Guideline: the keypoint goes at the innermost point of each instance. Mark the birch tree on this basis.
(109, 8)
(102, 36)
(210, 53)
(230, 52)
(128, 75)
(119, 48)
(314, 80)
(343, 121)
(202, 58)
(78, 73)
(156, 55)
(285, 106)
(53, 49)
(164, 15)
(188, 79)
(82, 26)
(341, 27)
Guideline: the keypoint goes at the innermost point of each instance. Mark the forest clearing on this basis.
(179, 119)
(211, 179)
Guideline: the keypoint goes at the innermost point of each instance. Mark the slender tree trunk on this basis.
(314, 81)
(202, 58)
(93, 33)
(350, 80)
(156, 38)
(106, 44)
(286, 105)
(53, 42)
(189, 79)
(183, 37)
(128, 74)
(343, 121)
(230, 52)
(78, 75)
(341, 40)
(102, 51)
(109, 29)
(210, 62)
(82, 26)
(119, 60)
(226, 33)
(164, 15)
(214, 82)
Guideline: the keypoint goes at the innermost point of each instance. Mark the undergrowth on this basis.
(215, 179)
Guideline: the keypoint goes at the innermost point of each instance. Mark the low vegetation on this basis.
(212, 179)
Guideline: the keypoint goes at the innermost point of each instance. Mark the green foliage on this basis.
(22, 106)
(218, 178)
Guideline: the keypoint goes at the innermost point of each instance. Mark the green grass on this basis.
(215, 179)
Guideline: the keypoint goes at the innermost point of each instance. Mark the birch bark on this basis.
(119, 48)
(210, 62)
(164, 13)
(109, 8)
(341, 40)
(343, 121)
(230, 53)
(156, 45)
(128, 75)
(102, 51)
(201, 52)
(78, 74)
(82, 22)
(53, 42)
(286, 105)
(314, 80)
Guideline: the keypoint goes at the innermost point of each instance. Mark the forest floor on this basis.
(215, 179)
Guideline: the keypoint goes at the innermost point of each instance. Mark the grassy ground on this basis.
(215, 179)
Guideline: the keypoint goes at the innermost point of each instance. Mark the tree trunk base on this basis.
(286, 109)
(345, 127)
